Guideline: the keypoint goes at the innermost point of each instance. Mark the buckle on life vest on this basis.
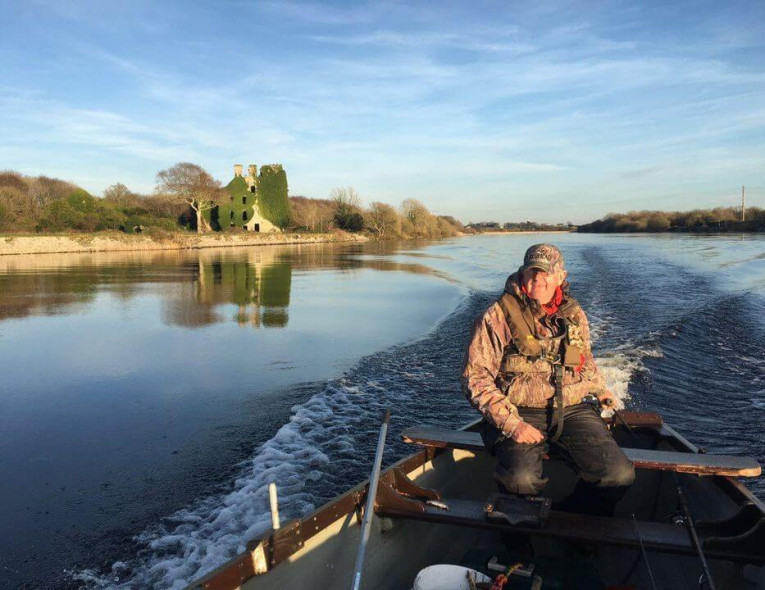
(551, 357)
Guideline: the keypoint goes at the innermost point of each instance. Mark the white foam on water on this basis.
(620, 363)
(197, 539)
(619, 366)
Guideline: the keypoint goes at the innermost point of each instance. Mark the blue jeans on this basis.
(585, 443)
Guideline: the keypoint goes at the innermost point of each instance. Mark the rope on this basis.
(501, 579)
(645, 555)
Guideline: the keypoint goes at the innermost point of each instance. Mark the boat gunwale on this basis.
(279, 544)
(351, 501)
(730, 485)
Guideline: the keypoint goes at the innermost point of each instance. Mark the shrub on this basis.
(349, 220)
(6, 223)
(383, 221)
(80, 211)
(658, 222)
(13, 180)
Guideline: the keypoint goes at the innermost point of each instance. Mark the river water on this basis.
(147, 400)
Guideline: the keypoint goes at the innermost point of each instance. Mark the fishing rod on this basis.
(366, 523)
(692, 531)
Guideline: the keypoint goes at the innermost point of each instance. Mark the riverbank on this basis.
(119, 242)
(499, 232)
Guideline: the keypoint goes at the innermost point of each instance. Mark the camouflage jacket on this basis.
(497, 387)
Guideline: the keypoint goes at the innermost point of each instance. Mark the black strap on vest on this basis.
(558, 414)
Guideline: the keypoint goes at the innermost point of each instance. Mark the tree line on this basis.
(42, 204)
(183, 197)
(719, 219)
(344, 211)
(516, 226)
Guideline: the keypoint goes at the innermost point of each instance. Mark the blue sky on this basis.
(550, 111)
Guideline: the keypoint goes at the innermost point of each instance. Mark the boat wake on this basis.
(326, 447)
(666, 339)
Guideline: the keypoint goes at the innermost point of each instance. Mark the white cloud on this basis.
(395, 97)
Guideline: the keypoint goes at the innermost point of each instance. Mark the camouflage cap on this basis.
(545, 257)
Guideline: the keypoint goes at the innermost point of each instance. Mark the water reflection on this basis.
(257, 283)
(60, 284)
(196, 287)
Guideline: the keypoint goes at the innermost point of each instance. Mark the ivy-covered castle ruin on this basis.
(258, 203)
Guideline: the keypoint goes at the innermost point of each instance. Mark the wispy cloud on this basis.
(400, 98)
(432, 40)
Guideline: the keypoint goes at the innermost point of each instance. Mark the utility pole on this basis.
(743, 205)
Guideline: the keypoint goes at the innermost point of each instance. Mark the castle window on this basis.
(252, 188)
(244, 200)
(244, 215)
(257, 227)
(231, 214)
(244, 227)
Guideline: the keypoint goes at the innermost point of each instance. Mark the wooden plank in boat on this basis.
(443, 438)
(700, 464)
(638, 419)
(596, 530)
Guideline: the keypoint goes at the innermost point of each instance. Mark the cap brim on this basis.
(545, 266)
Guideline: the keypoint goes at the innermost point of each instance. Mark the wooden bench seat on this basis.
(700, 464)
(596, 530)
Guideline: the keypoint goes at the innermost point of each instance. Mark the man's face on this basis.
(541, 285)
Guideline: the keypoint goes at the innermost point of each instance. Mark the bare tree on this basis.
(119, 194)
(418, 215)
(346, 198)
(312, 214)
(323, 219)
(347, 209)
(38, 196)
(382, 220)
(191, 184)
(317, 218)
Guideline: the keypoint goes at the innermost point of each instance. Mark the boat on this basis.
(687, 522)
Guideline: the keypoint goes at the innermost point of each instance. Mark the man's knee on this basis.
(619, 474)
(519, 480)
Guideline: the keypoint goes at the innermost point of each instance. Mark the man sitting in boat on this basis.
(529, 370)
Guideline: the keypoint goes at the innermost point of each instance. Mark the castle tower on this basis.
(252, 178)
(237, 170)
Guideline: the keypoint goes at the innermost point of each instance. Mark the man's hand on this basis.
(607, 399)
(526, 434)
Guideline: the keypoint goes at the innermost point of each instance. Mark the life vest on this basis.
(525, 351)
(565, 349)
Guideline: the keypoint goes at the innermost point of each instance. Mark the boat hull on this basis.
(318, 551)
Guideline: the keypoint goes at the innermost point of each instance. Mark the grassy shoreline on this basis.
(14, 244)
